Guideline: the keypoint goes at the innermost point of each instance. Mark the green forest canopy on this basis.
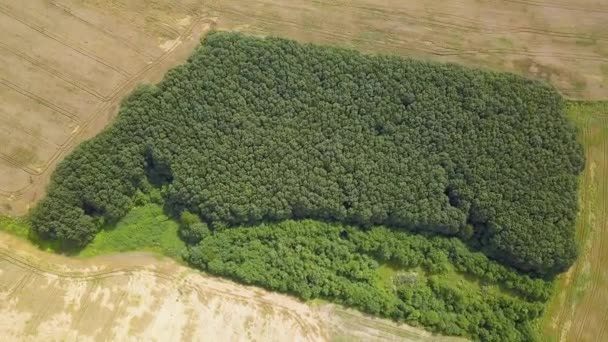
(252, 130)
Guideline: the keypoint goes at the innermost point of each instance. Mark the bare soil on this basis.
(46, 297)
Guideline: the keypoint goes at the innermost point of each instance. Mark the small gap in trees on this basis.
(91, 210)
(158, 171)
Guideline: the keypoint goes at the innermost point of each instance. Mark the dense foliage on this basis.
(254, 130)
(312, 259)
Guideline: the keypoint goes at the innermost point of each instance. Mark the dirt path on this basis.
(140, 297)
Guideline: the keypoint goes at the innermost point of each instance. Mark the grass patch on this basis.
(144, 228)
(386, 272)
(317, 302)
(20, 227)
(15, 226)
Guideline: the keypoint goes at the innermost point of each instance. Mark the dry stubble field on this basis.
(64, 67)
(562, 41)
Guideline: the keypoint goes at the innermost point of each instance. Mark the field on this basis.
(562, 41)
(48, 297)
(579, 310)
(64, 67)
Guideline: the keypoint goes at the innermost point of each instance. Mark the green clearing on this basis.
(15, 226)
(20, 227)
(144, 228)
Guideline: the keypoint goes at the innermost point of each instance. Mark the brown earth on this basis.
(47, 297)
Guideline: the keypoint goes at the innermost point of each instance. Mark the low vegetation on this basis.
(577, 312)
(144, 228)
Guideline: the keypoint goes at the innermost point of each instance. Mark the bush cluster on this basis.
(311, 259)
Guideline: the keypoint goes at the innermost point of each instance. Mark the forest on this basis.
(256, 130)
(312, 170)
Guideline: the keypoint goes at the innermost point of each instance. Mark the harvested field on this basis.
(136, 296)
(579, 310)
(564, 42)
(64, 67)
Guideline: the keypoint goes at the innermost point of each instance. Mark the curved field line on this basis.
(34, 268)
(5, 127)
(118, 38)
(492, 28)
(167, 28)
(52, 71)
(559, 6)
(40, 100)
(416, 17)
(142, 28)
(61, 40)
(17, 164)
(398, 43)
